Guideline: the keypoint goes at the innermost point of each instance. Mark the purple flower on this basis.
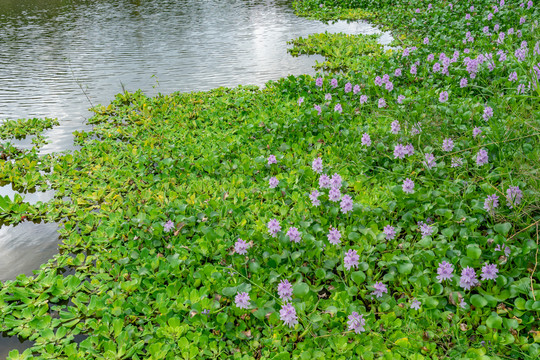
(242, 300)
(513, 196)
(300, 101)
(429, 161)
(389, 86)
(426, 230)
(334, 194)
(338, 108)
(415, 304)
(400, 99)
(366, 140)
(294, 235)
(463, 82)
(314, 198)
(288, 315)
(356, 89)
(445, 271)
(490, 16)
(169, 225)
(324, 182)
(448, 144)
(319, 81)
(351, 259)
(409, 150)
(348, 87)
(386, 78)
(436, 67)
(399, 151)
(489, 272)
(426, 40)
(382, 103)
(513, 76)
(380, 288)
(316, 165)
(273, 227)
(328, 97)
(468, 278)
(504, 248)
(397, 72)
(285, 290)
(413, 70)
(273, 182)
(390, 232)
(378, 81)
(416, 129)
(456, 162)
(481, 157)
(346, 204)
(462, 304)
(476, 131)
(356, 322)
(363, 99)
(272, 160)
(334, 236)
(443, 97)
(334, 83)
(408, 186)
(491, 203)
(522, 20)
(318, 108)
(521, 54)
(336, 181)
(430, 57)
(240, 247)
(395, 127)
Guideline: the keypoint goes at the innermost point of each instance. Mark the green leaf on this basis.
(300, 289)
(520, 303)
(503, 229)
(478, 301)
(405, 268)
(229, 291)
(494, 321)
(222, 318)
(358, 277)
(474, 252)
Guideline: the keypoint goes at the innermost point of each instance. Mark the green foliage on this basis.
(125, 287)
(21, 128)
(342, 51)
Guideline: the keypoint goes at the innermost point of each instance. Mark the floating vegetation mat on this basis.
(391, 211)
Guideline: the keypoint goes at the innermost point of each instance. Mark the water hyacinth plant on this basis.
(369, 256)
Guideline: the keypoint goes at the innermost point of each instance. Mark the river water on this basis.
(58, 57)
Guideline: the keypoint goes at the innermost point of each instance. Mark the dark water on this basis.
(57, 57)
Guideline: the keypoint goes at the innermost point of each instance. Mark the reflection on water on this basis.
(8, 343)
(49, 49)
(29, 197)
(25, 247)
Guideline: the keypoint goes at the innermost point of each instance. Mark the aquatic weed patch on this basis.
(342, 51)
(21, 128)
(389, 213)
